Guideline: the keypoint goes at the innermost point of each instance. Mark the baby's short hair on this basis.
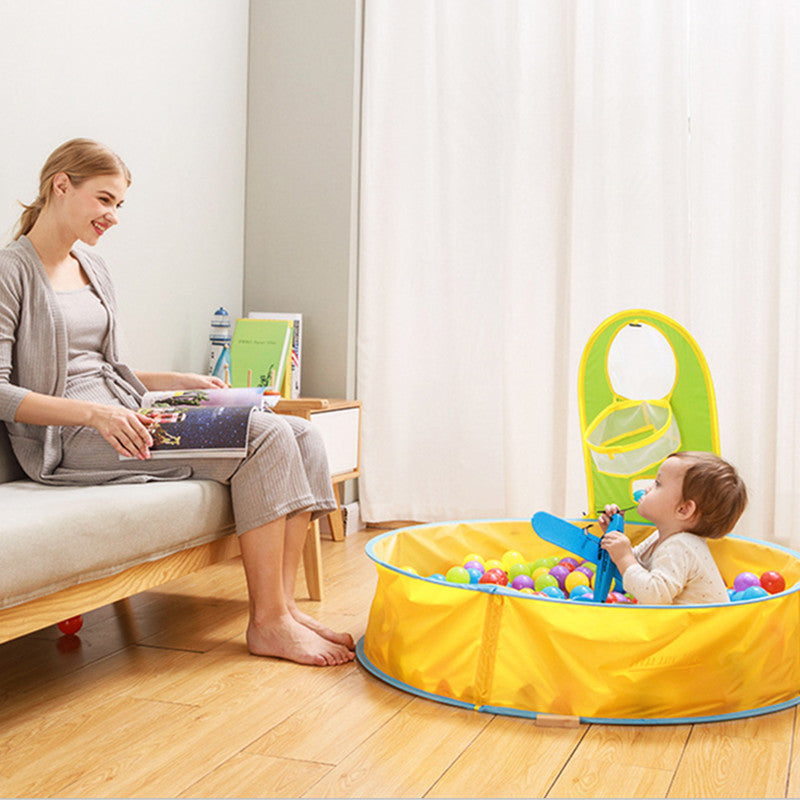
(716, 489)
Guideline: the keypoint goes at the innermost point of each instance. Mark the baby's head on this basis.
(718, 493)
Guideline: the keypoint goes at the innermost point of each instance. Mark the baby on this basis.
(695, 496)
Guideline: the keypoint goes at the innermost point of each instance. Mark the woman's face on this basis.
(91, 208)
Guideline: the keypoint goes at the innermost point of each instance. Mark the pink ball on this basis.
(745, 579)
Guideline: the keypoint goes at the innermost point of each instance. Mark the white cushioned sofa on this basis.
(67, 550)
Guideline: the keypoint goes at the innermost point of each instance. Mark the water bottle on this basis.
(220, 337)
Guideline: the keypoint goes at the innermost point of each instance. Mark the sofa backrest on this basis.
(10, 469)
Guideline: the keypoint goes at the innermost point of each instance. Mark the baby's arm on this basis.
(665, 579)
(618, 546)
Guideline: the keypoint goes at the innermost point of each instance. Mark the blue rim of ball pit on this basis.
(494, 588)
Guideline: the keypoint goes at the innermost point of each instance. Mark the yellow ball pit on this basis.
(497, 650)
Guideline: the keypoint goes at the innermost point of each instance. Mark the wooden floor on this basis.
(162, 700)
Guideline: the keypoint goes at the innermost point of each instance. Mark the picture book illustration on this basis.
(207, 423)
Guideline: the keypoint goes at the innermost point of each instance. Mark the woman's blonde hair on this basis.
(80, 159)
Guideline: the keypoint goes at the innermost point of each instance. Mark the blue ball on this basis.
(735, 596)
(474, 574)
(578, 591)
(753, 592)
(437, 576)
(553, 591)
(583, 597)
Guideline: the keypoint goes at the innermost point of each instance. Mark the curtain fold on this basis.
(529, 169)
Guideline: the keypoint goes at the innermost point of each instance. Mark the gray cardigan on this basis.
(33, 357)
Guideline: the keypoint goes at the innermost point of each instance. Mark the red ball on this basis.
(71, 626)
(773, 582)
(494, 575)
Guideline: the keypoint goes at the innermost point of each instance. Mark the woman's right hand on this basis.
(125, 430)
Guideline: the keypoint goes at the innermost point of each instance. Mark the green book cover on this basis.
(260, 349)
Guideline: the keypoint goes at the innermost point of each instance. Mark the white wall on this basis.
(302, 178)
(165, 85)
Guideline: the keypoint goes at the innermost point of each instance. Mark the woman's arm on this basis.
(166, 381)
(125, 430)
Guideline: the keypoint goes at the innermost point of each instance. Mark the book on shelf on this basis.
(206, 423)
(260, 352)
(297, 345)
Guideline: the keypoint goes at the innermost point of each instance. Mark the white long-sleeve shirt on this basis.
(678, 571)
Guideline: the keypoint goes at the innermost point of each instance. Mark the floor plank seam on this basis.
(566, 762)
(680, 760)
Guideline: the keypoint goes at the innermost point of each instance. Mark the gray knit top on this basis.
(34, 356)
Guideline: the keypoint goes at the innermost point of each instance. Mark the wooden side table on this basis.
(339, 422)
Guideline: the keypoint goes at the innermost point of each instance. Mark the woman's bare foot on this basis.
(285, 637)
(344, 639)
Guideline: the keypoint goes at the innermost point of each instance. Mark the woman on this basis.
(70, 405)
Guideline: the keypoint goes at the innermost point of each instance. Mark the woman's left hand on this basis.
(193, 380)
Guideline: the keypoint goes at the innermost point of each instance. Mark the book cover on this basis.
(297, 345)
(207, 423)
(260, 351)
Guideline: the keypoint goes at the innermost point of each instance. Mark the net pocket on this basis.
(630, 436)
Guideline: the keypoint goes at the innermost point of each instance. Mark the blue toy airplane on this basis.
(577, 540)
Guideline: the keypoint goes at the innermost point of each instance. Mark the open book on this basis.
(206, 423)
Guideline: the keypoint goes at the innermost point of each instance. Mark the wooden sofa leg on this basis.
(312, 562)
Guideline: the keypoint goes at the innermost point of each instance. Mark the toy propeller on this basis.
(577, 540)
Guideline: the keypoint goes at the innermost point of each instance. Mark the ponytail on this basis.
(80, 159)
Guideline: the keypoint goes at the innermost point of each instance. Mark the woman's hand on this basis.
(192, 380)
(168, 381)
(125, 430)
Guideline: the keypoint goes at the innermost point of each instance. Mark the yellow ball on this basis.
(540, 571)
(472, 557)
(511, 557)
(494, 563)
(575, 579)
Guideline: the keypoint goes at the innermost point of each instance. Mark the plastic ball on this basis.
(540, 571)
(472, 557)
(560, 574)
(71, 626)
(735, 596)
(457, 575)
(409, 569)
(517, 569)
(575, 579)
(543, 581)
(618, 597)
(745, 579)
(753, 592)
(551, 561)
(511, 557)
(475, 574)
(569, 563)
(523, 582)
(473, 564)
(528, 590)
(494, 575)
(493, 563)
(437, 576)
(538, 564)
(553, 591)
(578, 590)
(585, 597)
(773, 582)
(588, 565)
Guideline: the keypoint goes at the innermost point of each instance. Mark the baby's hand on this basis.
(618, 546)
(604, 519)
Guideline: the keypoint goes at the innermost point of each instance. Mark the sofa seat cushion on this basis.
(53, 537)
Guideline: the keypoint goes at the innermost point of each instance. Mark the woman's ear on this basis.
(61, 183)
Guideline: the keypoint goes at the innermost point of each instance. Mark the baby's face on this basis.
(660, 504)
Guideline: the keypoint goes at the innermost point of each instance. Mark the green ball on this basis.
(457, 575)
(517, 569)
(540, 562)
(545, 580)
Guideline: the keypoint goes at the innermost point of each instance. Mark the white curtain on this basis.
(529, 169)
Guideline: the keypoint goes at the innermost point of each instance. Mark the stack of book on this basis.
(266, 352)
